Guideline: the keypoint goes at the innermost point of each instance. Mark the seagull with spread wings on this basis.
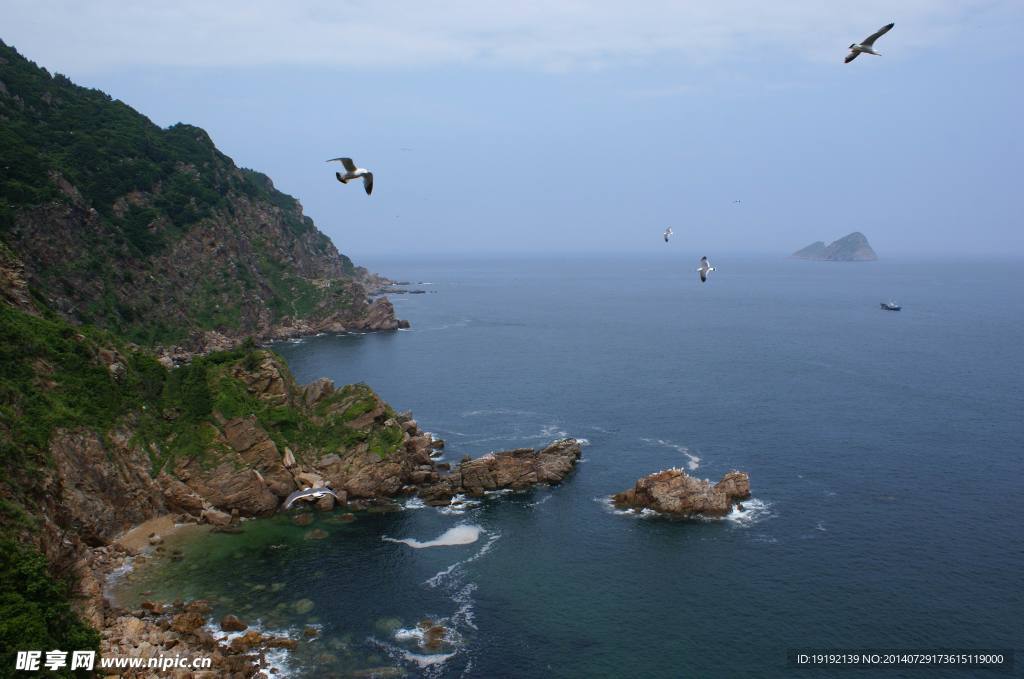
(868, 46)
(309, 494)
(705, 269)
(668, 233)
(353, 172)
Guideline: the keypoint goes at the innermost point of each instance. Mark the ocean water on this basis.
(885, 450)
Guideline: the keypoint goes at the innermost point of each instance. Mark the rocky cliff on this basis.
(851, 248)
(154, 233)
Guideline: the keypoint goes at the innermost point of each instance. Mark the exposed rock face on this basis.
(674, 492)
(513, 469)
(851, 248)
(101, 488)
(13, 287)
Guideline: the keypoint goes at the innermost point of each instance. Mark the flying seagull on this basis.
(668, 233)
(705, 269)
(353, 172)
(868, 44)
(309, 494)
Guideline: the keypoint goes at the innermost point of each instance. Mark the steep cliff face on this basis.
(153, 233)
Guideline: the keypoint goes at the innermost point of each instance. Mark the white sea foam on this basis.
(459, 505)
(693, 460)
(754, 511)
(276, 658)
(583, 441)
(608, 504)
(540, 501)
(116, 575)
(415, 502)
(409, 634)
(438, 578)
(498, 411)
(549, 431)
(427, 660)
(463, 534)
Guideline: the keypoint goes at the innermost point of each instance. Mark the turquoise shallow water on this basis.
(885, 453)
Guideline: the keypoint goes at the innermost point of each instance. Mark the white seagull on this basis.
(868, 45)
(353, 172)
(309, 494)
(668, 233)
(705, 269)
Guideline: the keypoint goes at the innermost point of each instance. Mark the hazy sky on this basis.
(560, 126)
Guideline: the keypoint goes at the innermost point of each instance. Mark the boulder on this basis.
(180, 497)
(246, 642)
(230, 623)
(187, 622)
(313, 392)
(674, 492)
(216, 518)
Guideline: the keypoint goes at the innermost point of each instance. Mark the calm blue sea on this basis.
(885, 450)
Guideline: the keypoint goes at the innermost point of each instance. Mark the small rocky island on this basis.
(676, 493)
(851, 248)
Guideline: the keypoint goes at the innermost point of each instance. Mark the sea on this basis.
(885, 452)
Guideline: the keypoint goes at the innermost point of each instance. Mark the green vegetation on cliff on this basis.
(35, 613)
(149, 232)
(55, 375)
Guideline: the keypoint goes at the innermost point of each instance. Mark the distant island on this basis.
(851, 248)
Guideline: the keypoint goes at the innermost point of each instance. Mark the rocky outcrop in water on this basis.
(511, 469)
(674, 492)
(851, 248)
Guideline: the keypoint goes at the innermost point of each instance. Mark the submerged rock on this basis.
(674, 492)
(433, 634)
(303, 519)
(303, 606)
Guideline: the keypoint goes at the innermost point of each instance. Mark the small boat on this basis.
(891, 306)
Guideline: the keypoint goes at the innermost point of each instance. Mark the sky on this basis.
(577, 127)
